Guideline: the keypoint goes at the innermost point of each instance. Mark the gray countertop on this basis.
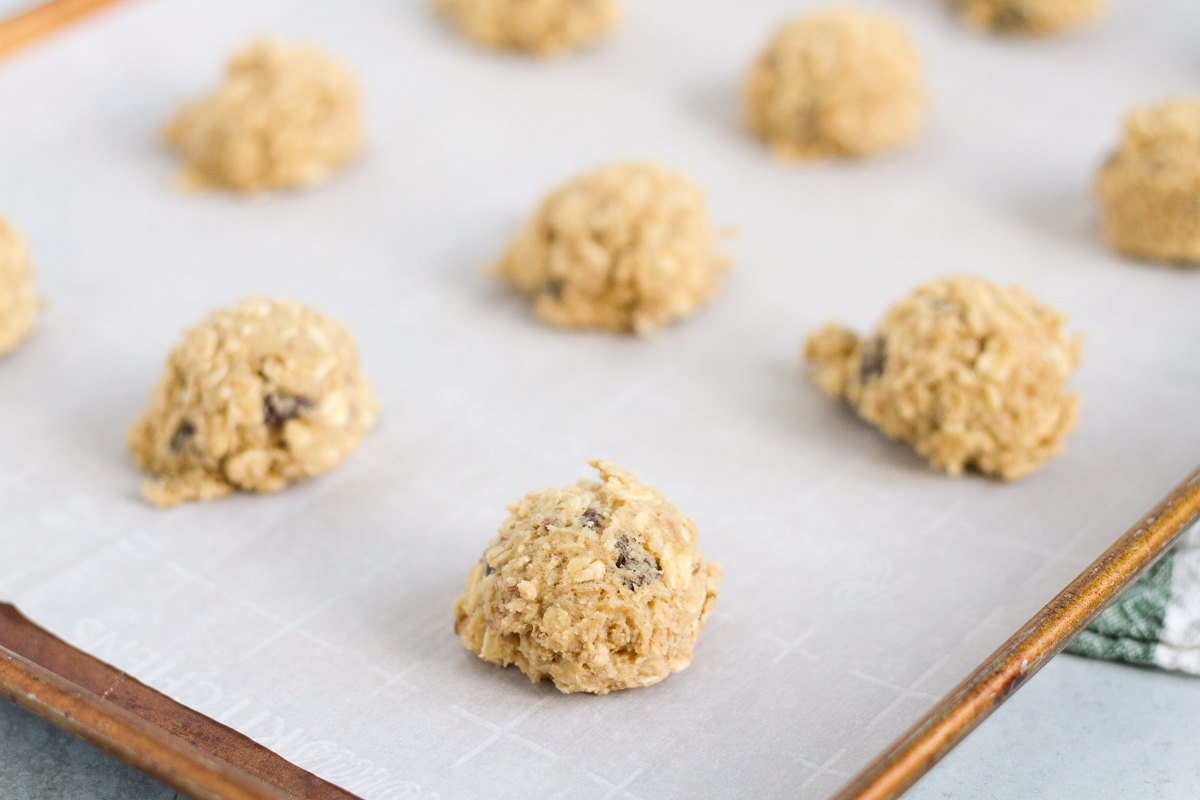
(1079, 729)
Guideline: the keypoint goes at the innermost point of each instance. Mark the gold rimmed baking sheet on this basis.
(860, 587)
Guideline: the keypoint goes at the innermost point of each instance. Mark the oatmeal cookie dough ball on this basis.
(971, 374)
(598, 586)
(1149, 190)
(254, 398)
(1028, 17)
(625, 249)
(835, 83)
(18, 298)
(286, 116)
(543, 27)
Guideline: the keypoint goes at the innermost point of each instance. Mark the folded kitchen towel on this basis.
(1156, 622)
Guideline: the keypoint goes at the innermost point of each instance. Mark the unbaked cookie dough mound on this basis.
(1149, 190)
(625, 249)
(254, 398)
(286, 116)
(836, 83)
(598, 586)
(18, 298)
(971, 374)
(1028, 17)
(543, 27)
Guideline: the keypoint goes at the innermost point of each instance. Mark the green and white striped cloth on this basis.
(1156, 622)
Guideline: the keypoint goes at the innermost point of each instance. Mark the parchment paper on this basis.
(859, 585)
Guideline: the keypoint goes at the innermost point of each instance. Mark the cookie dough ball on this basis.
(1149, 190)
(285, 117)
(836, 83)
(971, 374)
(254, 398)
(1028, 17)
(18, 298)
(543, 27)
(626, 249)
(598, 586)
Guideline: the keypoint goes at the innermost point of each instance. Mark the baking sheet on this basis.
(859, 586)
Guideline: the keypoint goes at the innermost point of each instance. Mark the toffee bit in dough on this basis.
(286, 116)
(971, 374)
(1028, 17)
(836, 83)
(254, 398)
(1149, 190)
(543, 27)
(625, 249)
(598, 586)
(18, 297)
